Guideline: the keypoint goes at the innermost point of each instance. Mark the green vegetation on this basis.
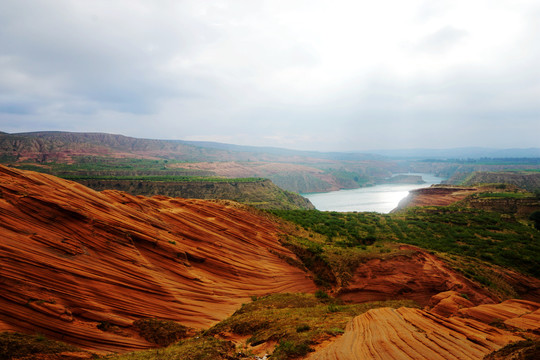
(348, 237)
(522, 350)
(160, 332)
(166, 177)
(105, 168)
(350, 179)
(535, 216)
(101, 164)
(505, 195)
(528, 180)
(295, 322)
(489, 161)
(300, 183)
(161, 178)
(15, 345)
(196, 348)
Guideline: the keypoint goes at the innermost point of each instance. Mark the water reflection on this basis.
(379, 198)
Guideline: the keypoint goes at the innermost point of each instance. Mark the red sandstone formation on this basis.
(520, 314)
(435, 196)
(416, 275)
(448, 303)
(71, 257)
(406, 333)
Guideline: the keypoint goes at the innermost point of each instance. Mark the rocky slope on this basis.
(317, 175)
(65, 146)
(407, 333)
(507, 200)
(436, 195)
(404, 179)
(526, 180)
(415, 275)
(82, 266)
(261, 193)
(72, 258)
(297, 171)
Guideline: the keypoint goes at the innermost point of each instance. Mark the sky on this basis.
(312, 75)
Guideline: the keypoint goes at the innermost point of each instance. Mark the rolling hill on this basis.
(92, 268)
(72, 258)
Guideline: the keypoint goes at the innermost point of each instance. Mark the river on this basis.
(379, 198)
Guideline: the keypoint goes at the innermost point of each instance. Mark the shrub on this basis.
(322, 295)
(303, 328)
(160, 332)
(291, 350)
(333, 308)
(535, 216)
(335, 331)
(249, 326)
(15, 345)
(524, 350)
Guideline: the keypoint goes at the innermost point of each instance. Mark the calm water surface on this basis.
(379, 198)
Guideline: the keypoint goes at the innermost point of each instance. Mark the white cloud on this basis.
(323, 74)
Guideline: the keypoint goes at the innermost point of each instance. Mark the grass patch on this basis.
(291, 350)
(160, 332)
(106, 168)
(349, 238)
(15, 345)
(523, 350)
(161, 178)
(504, 195)
(295, 321)
(198, 348)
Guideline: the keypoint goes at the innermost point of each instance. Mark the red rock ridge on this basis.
(406, 333)
(436, 195)
(416, 275)
(521, 314)
(71, 257)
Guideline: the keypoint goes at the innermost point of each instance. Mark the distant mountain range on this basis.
(52, 141)
(460, 153)
(293, 170)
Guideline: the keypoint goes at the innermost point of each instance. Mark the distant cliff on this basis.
(436, 195)
(526, 180)
(404, 179)
(260, 193)
(508, 200)
(296, 171)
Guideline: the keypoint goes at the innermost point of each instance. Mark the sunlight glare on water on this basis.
(379, 198)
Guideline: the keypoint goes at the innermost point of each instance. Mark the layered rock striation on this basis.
(414, 274)
(407, 333)
(260, 193)
(72, 258)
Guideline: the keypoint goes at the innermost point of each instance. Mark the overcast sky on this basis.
(315, 75)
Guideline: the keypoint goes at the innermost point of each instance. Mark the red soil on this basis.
(435, 196)
(521, 314)
(448, 303)
(71, 257)
(406, 333)
(251, 169)
(416, 275)
(261, 169)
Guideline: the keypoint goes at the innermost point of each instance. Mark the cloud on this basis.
(313, 75)
(441, 40)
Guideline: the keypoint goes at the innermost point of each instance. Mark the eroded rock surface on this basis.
(406, 333)
(72, 258)
(416, 275)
